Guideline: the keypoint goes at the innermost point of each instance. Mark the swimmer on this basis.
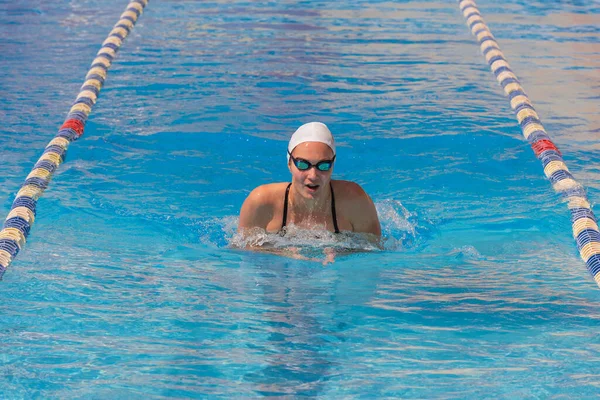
(312, 200)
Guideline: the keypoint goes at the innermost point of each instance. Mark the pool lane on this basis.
(585, 227)
(23, 210)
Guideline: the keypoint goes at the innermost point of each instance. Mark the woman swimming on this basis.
(312, 200)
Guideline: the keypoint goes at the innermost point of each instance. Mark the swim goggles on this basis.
(304, 165)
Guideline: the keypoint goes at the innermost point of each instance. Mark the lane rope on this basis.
(585, 226)
(22, 214)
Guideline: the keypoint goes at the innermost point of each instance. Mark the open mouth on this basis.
(312, 187)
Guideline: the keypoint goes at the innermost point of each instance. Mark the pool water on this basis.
(128, 286)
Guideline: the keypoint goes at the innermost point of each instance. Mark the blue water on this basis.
(128, 287)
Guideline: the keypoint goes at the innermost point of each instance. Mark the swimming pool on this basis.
(127, 287)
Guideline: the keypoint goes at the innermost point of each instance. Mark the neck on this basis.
(302, 205)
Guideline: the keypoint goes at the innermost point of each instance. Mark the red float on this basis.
(74, 124)
(542, 145)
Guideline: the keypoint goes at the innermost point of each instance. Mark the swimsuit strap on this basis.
(285, 208)
(335, 225)
(285, 205)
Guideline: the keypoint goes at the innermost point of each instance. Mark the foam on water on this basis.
(400, 228)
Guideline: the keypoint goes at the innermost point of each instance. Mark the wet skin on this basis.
(309, 204)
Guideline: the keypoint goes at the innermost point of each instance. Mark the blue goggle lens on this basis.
(324, 165)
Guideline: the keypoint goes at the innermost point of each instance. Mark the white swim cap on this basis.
(311, 132)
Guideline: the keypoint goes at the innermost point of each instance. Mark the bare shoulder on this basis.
(357, 207)
(265, 194)
(261, 204)
(350, 192)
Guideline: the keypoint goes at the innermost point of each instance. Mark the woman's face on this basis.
(311, 183)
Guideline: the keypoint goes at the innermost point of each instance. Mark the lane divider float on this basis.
(585, 225)
(22, 214)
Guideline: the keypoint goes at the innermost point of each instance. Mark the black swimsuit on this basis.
(285, 208)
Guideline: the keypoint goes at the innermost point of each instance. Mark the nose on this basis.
(312, 172)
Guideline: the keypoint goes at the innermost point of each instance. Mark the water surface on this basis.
(128, 287)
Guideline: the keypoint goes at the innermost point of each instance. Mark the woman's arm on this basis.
(362, 211)
(256, 211)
